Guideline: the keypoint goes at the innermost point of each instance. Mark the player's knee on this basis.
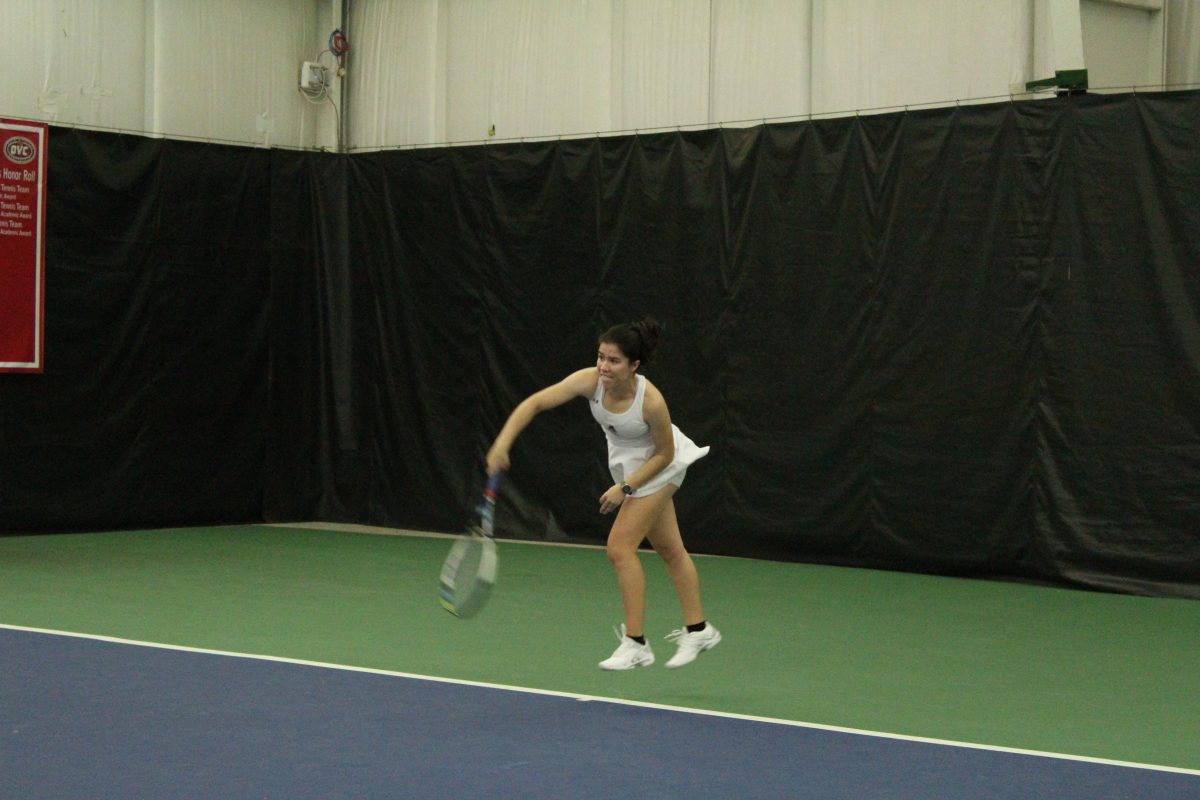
(673, 554)
(618, 551)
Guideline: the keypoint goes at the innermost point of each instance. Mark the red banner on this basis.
(23, 147)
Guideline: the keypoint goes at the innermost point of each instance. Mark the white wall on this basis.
(1122, 45)
(437, 71)
(1183, 42)
(453, 70)
(874, 53)
(230, 68)
(209, 69)
(77, 62)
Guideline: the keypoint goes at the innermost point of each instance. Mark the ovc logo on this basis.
(20, 150)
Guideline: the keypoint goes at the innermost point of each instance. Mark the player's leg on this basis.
(635, 518)
(664, 535)
(697, 635)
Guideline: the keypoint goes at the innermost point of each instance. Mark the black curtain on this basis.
(962, 341)
(152, 406)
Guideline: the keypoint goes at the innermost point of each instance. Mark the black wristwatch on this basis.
(626, 488)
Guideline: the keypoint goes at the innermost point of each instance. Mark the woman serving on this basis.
(648, 457)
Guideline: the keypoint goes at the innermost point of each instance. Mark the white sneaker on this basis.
(692, 644)
(629, 654)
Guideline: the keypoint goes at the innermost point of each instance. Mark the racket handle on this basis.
(488, 511)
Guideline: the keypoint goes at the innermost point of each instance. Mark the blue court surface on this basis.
(84, 717)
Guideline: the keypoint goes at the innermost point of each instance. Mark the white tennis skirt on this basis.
(624, 460)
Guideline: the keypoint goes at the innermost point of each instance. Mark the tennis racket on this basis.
(470, 569)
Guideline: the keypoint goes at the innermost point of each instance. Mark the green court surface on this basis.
(1081, 673)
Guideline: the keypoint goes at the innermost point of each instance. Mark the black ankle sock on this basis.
(638, 639)
(699, 626)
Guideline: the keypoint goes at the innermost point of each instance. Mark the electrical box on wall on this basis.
(312, 76)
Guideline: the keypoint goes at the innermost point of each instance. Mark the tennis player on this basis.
(648, 457)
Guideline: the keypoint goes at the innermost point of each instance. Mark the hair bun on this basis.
(650, 330)
(637, 340)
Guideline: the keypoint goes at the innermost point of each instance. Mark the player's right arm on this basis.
(578, 384)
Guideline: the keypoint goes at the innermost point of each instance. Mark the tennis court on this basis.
(258, 661)
(931, 342)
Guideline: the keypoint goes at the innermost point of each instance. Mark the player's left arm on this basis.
(654, 411)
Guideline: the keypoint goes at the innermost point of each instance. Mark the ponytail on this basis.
(637, 340)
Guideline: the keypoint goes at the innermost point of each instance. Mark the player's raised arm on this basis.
(578, 384)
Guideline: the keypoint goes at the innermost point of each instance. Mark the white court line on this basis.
(616, 701)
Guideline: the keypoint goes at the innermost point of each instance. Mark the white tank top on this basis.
(629, 428)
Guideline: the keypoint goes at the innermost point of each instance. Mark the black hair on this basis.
(637, 340)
